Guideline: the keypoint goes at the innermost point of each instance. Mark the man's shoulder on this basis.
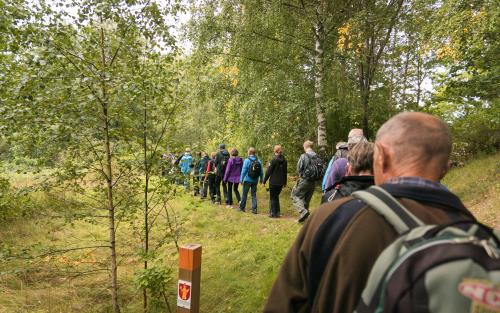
(339, 210)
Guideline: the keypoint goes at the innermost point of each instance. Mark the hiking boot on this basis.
(254, 211)
(303, 216)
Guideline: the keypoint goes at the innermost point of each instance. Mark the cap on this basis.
(222, 146)
(356, 139)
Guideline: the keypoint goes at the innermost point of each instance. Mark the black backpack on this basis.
(223, 163)
(315, 169)
(255, 169)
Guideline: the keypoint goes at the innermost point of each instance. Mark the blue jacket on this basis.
(246, 166)
(328, 170)
(185, 163)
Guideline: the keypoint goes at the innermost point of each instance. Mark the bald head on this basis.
(414, 144)
(355, 132)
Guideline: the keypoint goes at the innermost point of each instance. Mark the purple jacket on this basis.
(233, 170)
(339, 170)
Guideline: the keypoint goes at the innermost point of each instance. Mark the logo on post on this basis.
(184, 294)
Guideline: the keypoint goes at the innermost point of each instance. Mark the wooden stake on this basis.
(188, 286)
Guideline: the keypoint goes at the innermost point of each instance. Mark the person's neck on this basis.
(363, 173)
(427, 175)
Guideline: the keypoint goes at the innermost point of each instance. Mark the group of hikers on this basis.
(348, 170)
(227, 170)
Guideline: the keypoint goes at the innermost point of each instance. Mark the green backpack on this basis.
(452, 268)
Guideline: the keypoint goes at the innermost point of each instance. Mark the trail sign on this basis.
(188, 286)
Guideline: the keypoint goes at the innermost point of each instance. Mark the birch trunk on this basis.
(319, 36)
(109, 177)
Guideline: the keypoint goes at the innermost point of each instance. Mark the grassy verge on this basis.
(241, 255)
(478, 185)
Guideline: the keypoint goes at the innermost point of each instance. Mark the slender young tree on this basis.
(84, 92)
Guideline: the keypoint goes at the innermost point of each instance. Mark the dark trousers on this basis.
(212, 187)
(196, 184)
(302, 194)
(204, 187)
(274, 200)
(218, 182)
(246, 188)
(230, 187)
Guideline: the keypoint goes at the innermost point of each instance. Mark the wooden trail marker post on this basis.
(188, 286)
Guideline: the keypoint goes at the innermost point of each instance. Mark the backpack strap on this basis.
(387, 206)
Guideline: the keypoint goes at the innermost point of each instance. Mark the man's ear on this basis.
(381, 156)
(445, 170)
(349, 170)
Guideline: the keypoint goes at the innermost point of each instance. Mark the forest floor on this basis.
(242, 252)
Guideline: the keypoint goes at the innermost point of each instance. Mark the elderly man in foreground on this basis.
(411, 156)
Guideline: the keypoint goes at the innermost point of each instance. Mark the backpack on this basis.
(221, 169)
(431, 268)
(202, 166)
(254, 169)
(186, 162)
(340, 153)
(333, 193)
(210, 167)
(346, 186)
(315, 169)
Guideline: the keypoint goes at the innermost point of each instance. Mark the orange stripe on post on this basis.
(190, 257)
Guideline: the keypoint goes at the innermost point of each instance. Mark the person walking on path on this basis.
(341, 152)
(196, 174)
(276, 173)
(221, 159)
(359, 174)
(232, 177)
(210, 178)
(202, 168)
(185, 164)
(251, 174)
(339, 166)
(303, 190)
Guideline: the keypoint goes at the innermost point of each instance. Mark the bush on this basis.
(13, 203)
